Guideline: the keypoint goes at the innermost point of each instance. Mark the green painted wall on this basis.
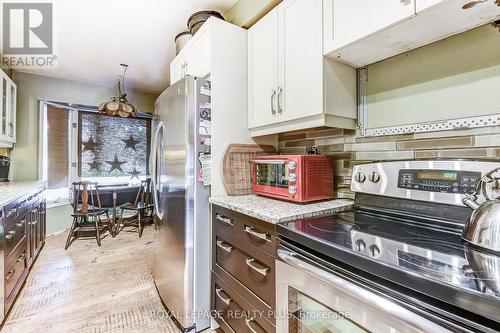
(32, 88)
(58, 218)
(453, 78)
(246, 12)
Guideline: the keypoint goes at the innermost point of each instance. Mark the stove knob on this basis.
(360, 245)
(374, 177)
(360, 177)
(374, 250)
(292, 177)
(292, 165)
(292, 190)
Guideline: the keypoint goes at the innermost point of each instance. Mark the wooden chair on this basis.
(143, 204)
(87, 212)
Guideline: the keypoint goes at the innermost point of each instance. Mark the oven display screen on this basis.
(437, 175)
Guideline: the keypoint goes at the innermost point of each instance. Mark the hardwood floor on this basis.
(91, 289)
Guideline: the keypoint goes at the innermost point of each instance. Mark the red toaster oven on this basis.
(298, 178)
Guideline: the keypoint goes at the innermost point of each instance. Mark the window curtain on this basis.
(112, 146)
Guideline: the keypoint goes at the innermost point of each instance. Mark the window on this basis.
(58, 122)
(83, 145)
(112, 147)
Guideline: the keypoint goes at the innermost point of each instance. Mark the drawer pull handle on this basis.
(247, 322)
(12, 212)
(224, 219)
(21, 257)
(252, 232)
(225, 300)
(224, 247)
(10, 234)
(10, 274)
(251, 264)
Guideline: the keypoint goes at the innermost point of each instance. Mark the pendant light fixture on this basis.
(119, 106)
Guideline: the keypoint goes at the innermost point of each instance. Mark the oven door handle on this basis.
(369, 298)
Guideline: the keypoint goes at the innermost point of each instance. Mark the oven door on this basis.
(312, 298)
(270, 177)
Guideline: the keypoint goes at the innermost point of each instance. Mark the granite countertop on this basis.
(13, 190)
(275, 211)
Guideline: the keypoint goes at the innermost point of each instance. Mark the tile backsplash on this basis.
(348, 149)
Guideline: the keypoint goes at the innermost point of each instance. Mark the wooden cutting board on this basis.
(237, 169)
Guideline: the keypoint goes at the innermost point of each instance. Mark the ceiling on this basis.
(94, 37)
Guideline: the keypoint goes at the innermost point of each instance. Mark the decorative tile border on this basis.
(460, 123)
(348, 149)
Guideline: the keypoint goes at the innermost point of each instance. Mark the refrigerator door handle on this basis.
(154, 171)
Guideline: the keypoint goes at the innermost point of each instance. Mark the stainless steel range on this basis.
(396, 261)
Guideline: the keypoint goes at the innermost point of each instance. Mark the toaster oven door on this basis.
(271, 177)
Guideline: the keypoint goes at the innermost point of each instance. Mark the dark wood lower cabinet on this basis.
(243, 272)
(24, 226)
(234, 313)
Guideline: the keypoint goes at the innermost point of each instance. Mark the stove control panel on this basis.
(446, 181)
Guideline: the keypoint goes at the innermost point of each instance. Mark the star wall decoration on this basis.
(134, 173)
(90, 145)
(95, 165)
(116, 164)
(131, 142)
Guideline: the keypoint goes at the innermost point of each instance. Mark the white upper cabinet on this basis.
(198, 54)
(362, 32)
(349, 21)
(263, 71)
(194, 58)
(8, 100)
(3, 108)
(11, 114)
(289, 77)
(424, 4)
(178, 68)
(300, 91)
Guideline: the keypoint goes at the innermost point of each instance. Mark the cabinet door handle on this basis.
(225, 300)
(21, 257)
(11, 212)
(247, 322)
(224, 219)
(20, 224)
(10, 234)
(251, 231)
(10, 274)
(226, 248)
(251, 264)
(280, 109)
(273, 96)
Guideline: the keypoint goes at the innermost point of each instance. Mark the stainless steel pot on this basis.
(483, 227)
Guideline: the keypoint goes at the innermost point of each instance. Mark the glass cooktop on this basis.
(430, 256)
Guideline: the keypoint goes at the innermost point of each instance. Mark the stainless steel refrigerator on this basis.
(181, 142)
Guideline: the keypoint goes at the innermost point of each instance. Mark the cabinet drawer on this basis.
(255, 271)
(233, 313)
(247, 232)
(15, 234)
(16, 267)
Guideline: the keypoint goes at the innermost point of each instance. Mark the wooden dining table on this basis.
(115, 195)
